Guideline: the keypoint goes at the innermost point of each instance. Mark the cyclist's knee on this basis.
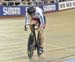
(40, 30)
(40, 33)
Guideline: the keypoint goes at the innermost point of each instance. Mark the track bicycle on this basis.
(33, 41)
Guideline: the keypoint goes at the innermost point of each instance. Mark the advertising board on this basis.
(21, 10)
(66, 5)
(48, 8)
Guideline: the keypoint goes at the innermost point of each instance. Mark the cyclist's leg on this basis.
(31, 23)
(41, 34)
(41, 37)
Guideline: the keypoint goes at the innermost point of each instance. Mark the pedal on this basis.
(40, 51)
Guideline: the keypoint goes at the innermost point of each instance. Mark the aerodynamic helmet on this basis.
(31, 10)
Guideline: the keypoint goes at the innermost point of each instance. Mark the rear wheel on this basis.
(31, 46)
(38, 46)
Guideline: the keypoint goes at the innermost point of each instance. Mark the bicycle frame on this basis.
(36, 44)
(33, 30)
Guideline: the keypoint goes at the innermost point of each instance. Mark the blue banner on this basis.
(1, 11)
(21, 10)
(11, 11)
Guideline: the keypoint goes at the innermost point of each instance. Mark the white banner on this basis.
(66, 5)
(11, 11)
(49, 7)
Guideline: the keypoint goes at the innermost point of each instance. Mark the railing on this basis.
(17, 2)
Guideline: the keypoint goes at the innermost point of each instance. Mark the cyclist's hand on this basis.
(42, 26)
(25, 28)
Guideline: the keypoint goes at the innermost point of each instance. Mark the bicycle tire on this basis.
(38, 46)
(30, 46)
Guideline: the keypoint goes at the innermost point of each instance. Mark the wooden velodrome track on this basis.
(59, 44)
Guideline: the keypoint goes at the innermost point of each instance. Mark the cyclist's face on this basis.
(32, 14)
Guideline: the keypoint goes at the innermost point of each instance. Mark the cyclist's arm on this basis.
(26, 20)
(41, 20)
(41, 16)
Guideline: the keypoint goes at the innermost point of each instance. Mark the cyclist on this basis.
(34, 15)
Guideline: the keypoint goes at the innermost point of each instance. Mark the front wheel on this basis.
(30, 46)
